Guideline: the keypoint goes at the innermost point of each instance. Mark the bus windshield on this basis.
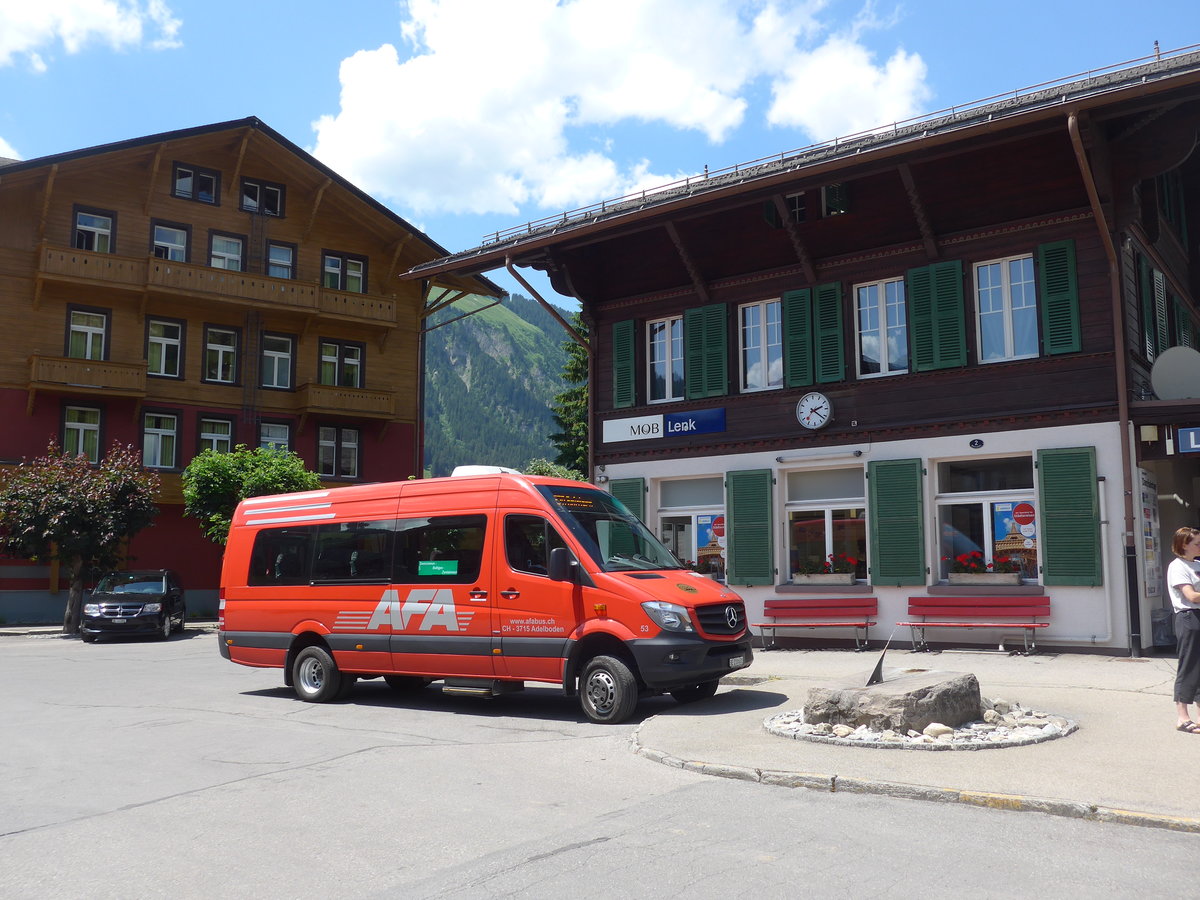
(613, 536)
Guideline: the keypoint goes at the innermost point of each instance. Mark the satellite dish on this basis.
(1175, 374)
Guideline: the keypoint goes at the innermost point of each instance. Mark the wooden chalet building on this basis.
(205, 288)
(932, 340)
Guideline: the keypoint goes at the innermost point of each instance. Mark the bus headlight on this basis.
(668, 616)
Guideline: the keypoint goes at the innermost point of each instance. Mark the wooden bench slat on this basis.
(821, 612)
(976, 624)
(982, 611)
(977, 611)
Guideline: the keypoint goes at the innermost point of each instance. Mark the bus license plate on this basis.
(735, 661)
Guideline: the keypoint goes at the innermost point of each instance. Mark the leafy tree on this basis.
(571, 406)
(61, 507)
(551, 470)
(214, 483)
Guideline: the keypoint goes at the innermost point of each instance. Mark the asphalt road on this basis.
(132, 769)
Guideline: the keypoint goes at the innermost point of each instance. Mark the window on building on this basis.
(81, 433)
(262, 197)
(986, 513)
(164, 348)
(826, 510)
(194, 183)
(341, 364)
(274, 435)
(692, 522)
(159, 432)
(1006, 301)
(226, 252)
(344, 272)
(281, 260)
(94, 231)
(761, 335)
(220, 355)
(216, 435)
(170, 243)
(882, 328)
(664, 359)
(276, 361)
(337, 452)
(87, 330)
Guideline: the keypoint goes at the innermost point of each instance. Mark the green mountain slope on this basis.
(489, 382)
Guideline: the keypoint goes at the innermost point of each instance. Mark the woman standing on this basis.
(1183, 584)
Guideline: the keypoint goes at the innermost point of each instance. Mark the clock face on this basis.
(814, 410)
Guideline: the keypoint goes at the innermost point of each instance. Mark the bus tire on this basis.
(608, 692)
(315, 676)
(701, 691)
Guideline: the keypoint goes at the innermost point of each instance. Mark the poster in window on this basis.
(710, 545)
(1014, 534)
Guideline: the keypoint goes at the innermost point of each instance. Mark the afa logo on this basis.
(426, 608)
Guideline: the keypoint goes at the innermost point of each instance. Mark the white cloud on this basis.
(8, 151)
(839, 90)
(29, 29)
(498, 106)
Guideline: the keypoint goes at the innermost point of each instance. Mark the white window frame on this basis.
(93, 334)
(827, 506)
(277, 268)
(276, 362)
(80, 437)
(226, 252)
(336, 446)
(160, 433)
(255, 196)
(274, 434)
(346, 358)
(170, 243)
(984, 499)
(885, 306)
(225, 356)
(1000, 302)
(213, 438)
(99, 234)
(760, 344)
(664, 351)
(163, 343)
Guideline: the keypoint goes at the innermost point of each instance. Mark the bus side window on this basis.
(281, 556)
(439, 550)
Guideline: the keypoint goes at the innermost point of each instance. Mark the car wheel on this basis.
(609, 692)
(315, 676)
(701, 691)
(182, 619)
(164, 630)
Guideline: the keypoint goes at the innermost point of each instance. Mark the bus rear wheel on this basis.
(315, 676)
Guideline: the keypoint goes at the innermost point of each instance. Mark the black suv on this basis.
(136, 602)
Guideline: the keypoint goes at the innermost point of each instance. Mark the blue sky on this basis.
(472, 116)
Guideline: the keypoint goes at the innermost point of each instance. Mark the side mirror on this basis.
(563, 566)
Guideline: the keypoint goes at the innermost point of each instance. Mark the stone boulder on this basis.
(903, 701)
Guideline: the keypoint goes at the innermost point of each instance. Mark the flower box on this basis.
(984, 578)
(824, 578)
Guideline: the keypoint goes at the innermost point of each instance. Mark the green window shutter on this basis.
(748, 526)
(831, 359)
(705, 353)
(1070, 500)
(624, 378)
(1058, 297)
(896, 520)
(1185, 335)
(1146, 298)
(771, 214)
(1160, 311)
(798, 358)
(937, 330)
(631, 492)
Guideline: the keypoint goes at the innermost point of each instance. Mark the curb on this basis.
(834, 784)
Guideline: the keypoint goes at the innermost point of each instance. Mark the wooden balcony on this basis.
(85, 376)
(360, 403)
(152, 275)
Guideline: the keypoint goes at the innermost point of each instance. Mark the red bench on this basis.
(820, 612)
(978, 612)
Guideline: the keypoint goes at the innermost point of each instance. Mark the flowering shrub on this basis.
(833, 563)
(974, 563)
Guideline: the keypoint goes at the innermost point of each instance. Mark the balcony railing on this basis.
(315, 399)
(149, 274)
(85, 376)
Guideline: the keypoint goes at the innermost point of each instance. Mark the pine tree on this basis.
(571, 406)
